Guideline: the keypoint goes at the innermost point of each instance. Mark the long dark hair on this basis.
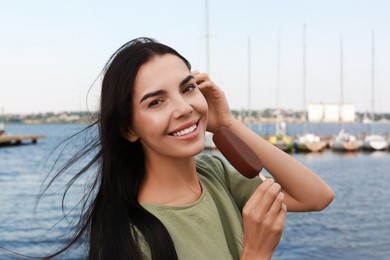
(113, 219)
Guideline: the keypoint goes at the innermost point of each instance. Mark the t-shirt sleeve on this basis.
(240, 187)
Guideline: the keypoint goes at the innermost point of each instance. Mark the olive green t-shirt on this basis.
(211, 227)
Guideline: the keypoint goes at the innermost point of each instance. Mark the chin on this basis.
(196, 150)
(200, 150)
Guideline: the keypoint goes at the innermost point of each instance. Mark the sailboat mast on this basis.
(249, 78)
(372, 74)
(341, 106)
(207, 38)
(278, 71)
(304, 77)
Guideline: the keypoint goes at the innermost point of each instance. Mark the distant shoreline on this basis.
(260, 116)
(246, 121)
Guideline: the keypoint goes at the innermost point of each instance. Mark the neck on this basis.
(170, 181)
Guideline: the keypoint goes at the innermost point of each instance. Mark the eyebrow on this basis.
(160, 92)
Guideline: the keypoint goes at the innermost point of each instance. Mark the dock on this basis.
(19, 139)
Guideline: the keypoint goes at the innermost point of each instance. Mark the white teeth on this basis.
(185, 131)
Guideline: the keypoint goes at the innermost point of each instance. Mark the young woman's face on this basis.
(170, 113)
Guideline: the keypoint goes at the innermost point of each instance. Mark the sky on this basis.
(52, 52)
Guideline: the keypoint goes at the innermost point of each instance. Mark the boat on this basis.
(345, 142)
(388, 141)
(280, 139)
(309, 143)
(375, 143)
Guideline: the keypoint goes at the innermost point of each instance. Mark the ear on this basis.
(130, 135)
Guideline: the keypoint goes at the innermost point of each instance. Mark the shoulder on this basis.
(212, 167)
(212, 164)
(206, 161)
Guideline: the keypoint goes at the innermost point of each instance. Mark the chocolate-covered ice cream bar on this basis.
(238, 153)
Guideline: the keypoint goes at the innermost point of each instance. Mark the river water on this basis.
(355, 226)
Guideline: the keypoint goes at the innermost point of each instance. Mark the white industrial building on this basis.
(330, 113)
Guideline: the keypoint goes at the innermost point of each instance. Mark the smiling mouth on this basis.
(186, 131)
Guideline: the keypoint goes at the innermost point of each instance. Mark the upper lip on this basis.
(185, 126)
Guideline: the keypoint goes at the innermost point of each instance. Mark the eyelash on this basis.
(155, 102)
(158, 101)
(189, 88)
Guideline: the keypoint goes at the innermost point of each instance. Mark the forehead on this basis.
(159, 72)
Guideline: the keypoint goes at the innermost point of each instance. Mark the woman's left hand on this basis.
(219, 111)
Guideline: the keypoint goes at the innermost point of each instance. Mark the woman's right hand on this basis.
(264, 215)
(219, 113)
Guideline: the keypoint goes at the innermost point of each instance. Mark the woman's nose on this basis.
(182, 108)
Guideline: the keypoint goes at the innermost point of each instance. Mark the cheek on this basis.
(202, 104)
(149, 123)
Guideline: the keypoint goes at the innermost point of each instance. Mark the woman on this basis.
(154, 198)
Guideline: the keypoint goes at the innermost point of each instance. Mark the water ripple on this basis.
(355, 226)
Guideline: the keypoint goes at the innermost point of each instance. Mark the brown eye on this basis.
(189, 88)
(155, 102)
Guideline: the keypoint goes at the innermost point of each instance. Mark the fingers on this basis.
(201, 78)
(199, 75)
(219, 113)
(280, 219)
(277, 204)
(210, 91)
(259, 193)
(207, 86)
(264, 216)
(267, 192)
(267, 200)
